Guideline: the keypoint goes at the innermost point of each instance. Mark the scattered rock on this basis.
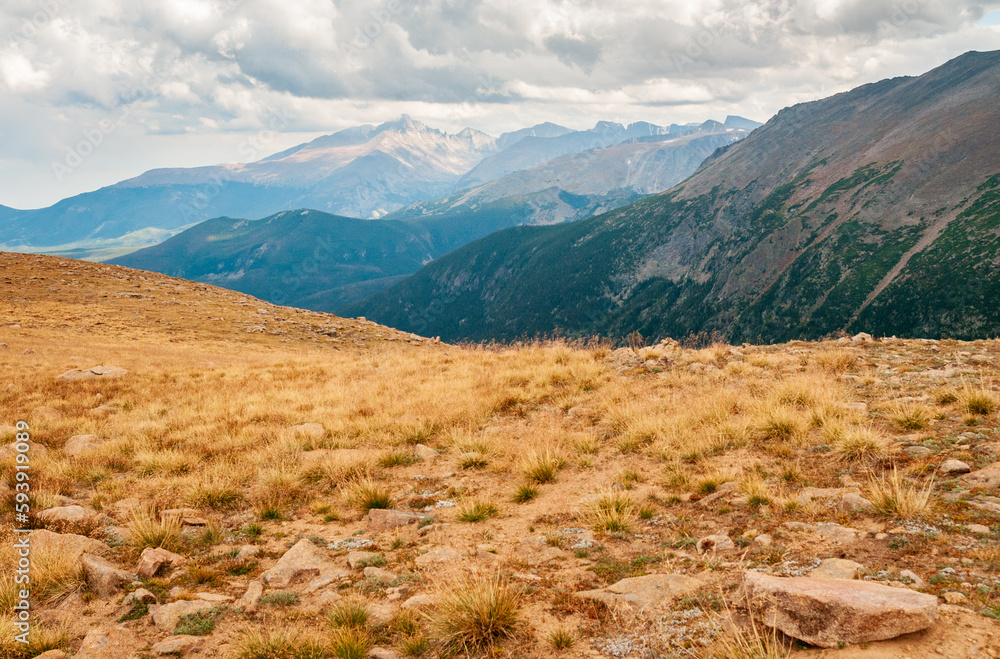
(247, 552)
(952, 467)
(383, 520)
(166, 617)
(955, 598)
(46, 413)
(315, 430)
(983, 502)
(45, 541)
(104, 578)
(978, 529)
(624, 359)
(831, 612)
(763, 540)
(251, 597)
(844, 499)
(178, 644)
(218, 598)
(912, 576)
(383, 653)
(986, 478)
(153, 559)
(421, 601)
(139, 595)
(382, 575)
(186, 516)
(917, 451)
(69, 515)
(438, 555)
(108, 643)
(836, 568)
(426, 453)
(356, 558)
(109, 372)
(300, 564)
(79, 444)
(52, 654)
(102, 411)
(645, 592)
(715, 543)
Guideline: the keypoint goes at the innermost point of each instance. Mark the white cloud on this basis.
(201, 72)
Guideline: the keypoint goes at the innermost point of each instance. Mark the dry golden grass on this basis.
(53, 575)
(147, 529)
(862, 445)
(204, 420)
(476, 612)
(281, 642)
(894, 495)
(613, 512)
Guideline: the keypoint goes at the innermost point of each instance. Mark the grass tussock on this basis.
(281, 642)
(146, 528)
(42, 638)
(613, 512)
(349, 613)
(861, 444)
(894, 495)
(978, 401)
(53, 575)
(367, 495)
(753, 640)
(476, 510)
(524, 493)
(477, 613)
(542, 466)
(909, 417)
(350, 643)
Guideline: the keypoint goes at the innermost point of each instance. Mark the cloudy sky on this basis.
(95, 91)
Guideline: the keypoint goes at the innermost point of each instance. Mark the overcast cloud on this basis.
(188, 82)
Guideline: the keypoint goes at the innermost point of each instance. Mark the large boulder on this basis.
(645, 592)
(832, 612)
(836, 568)
(104, 578)
(301, 564)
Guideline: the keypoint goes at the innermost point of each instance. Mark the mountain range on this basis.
(363, 172)
(876, 210)
(334, 260)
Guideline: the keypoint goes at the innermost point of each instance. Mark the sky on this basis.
(97, 91)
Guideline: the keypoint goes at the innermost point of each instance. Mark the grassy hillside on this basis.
(552, 475)
(836, 215)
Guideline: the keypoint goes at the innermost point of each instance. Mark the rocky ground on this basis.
(280, 483)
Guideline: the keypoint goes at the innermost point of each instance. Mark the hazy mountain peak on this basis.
(406, 124)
